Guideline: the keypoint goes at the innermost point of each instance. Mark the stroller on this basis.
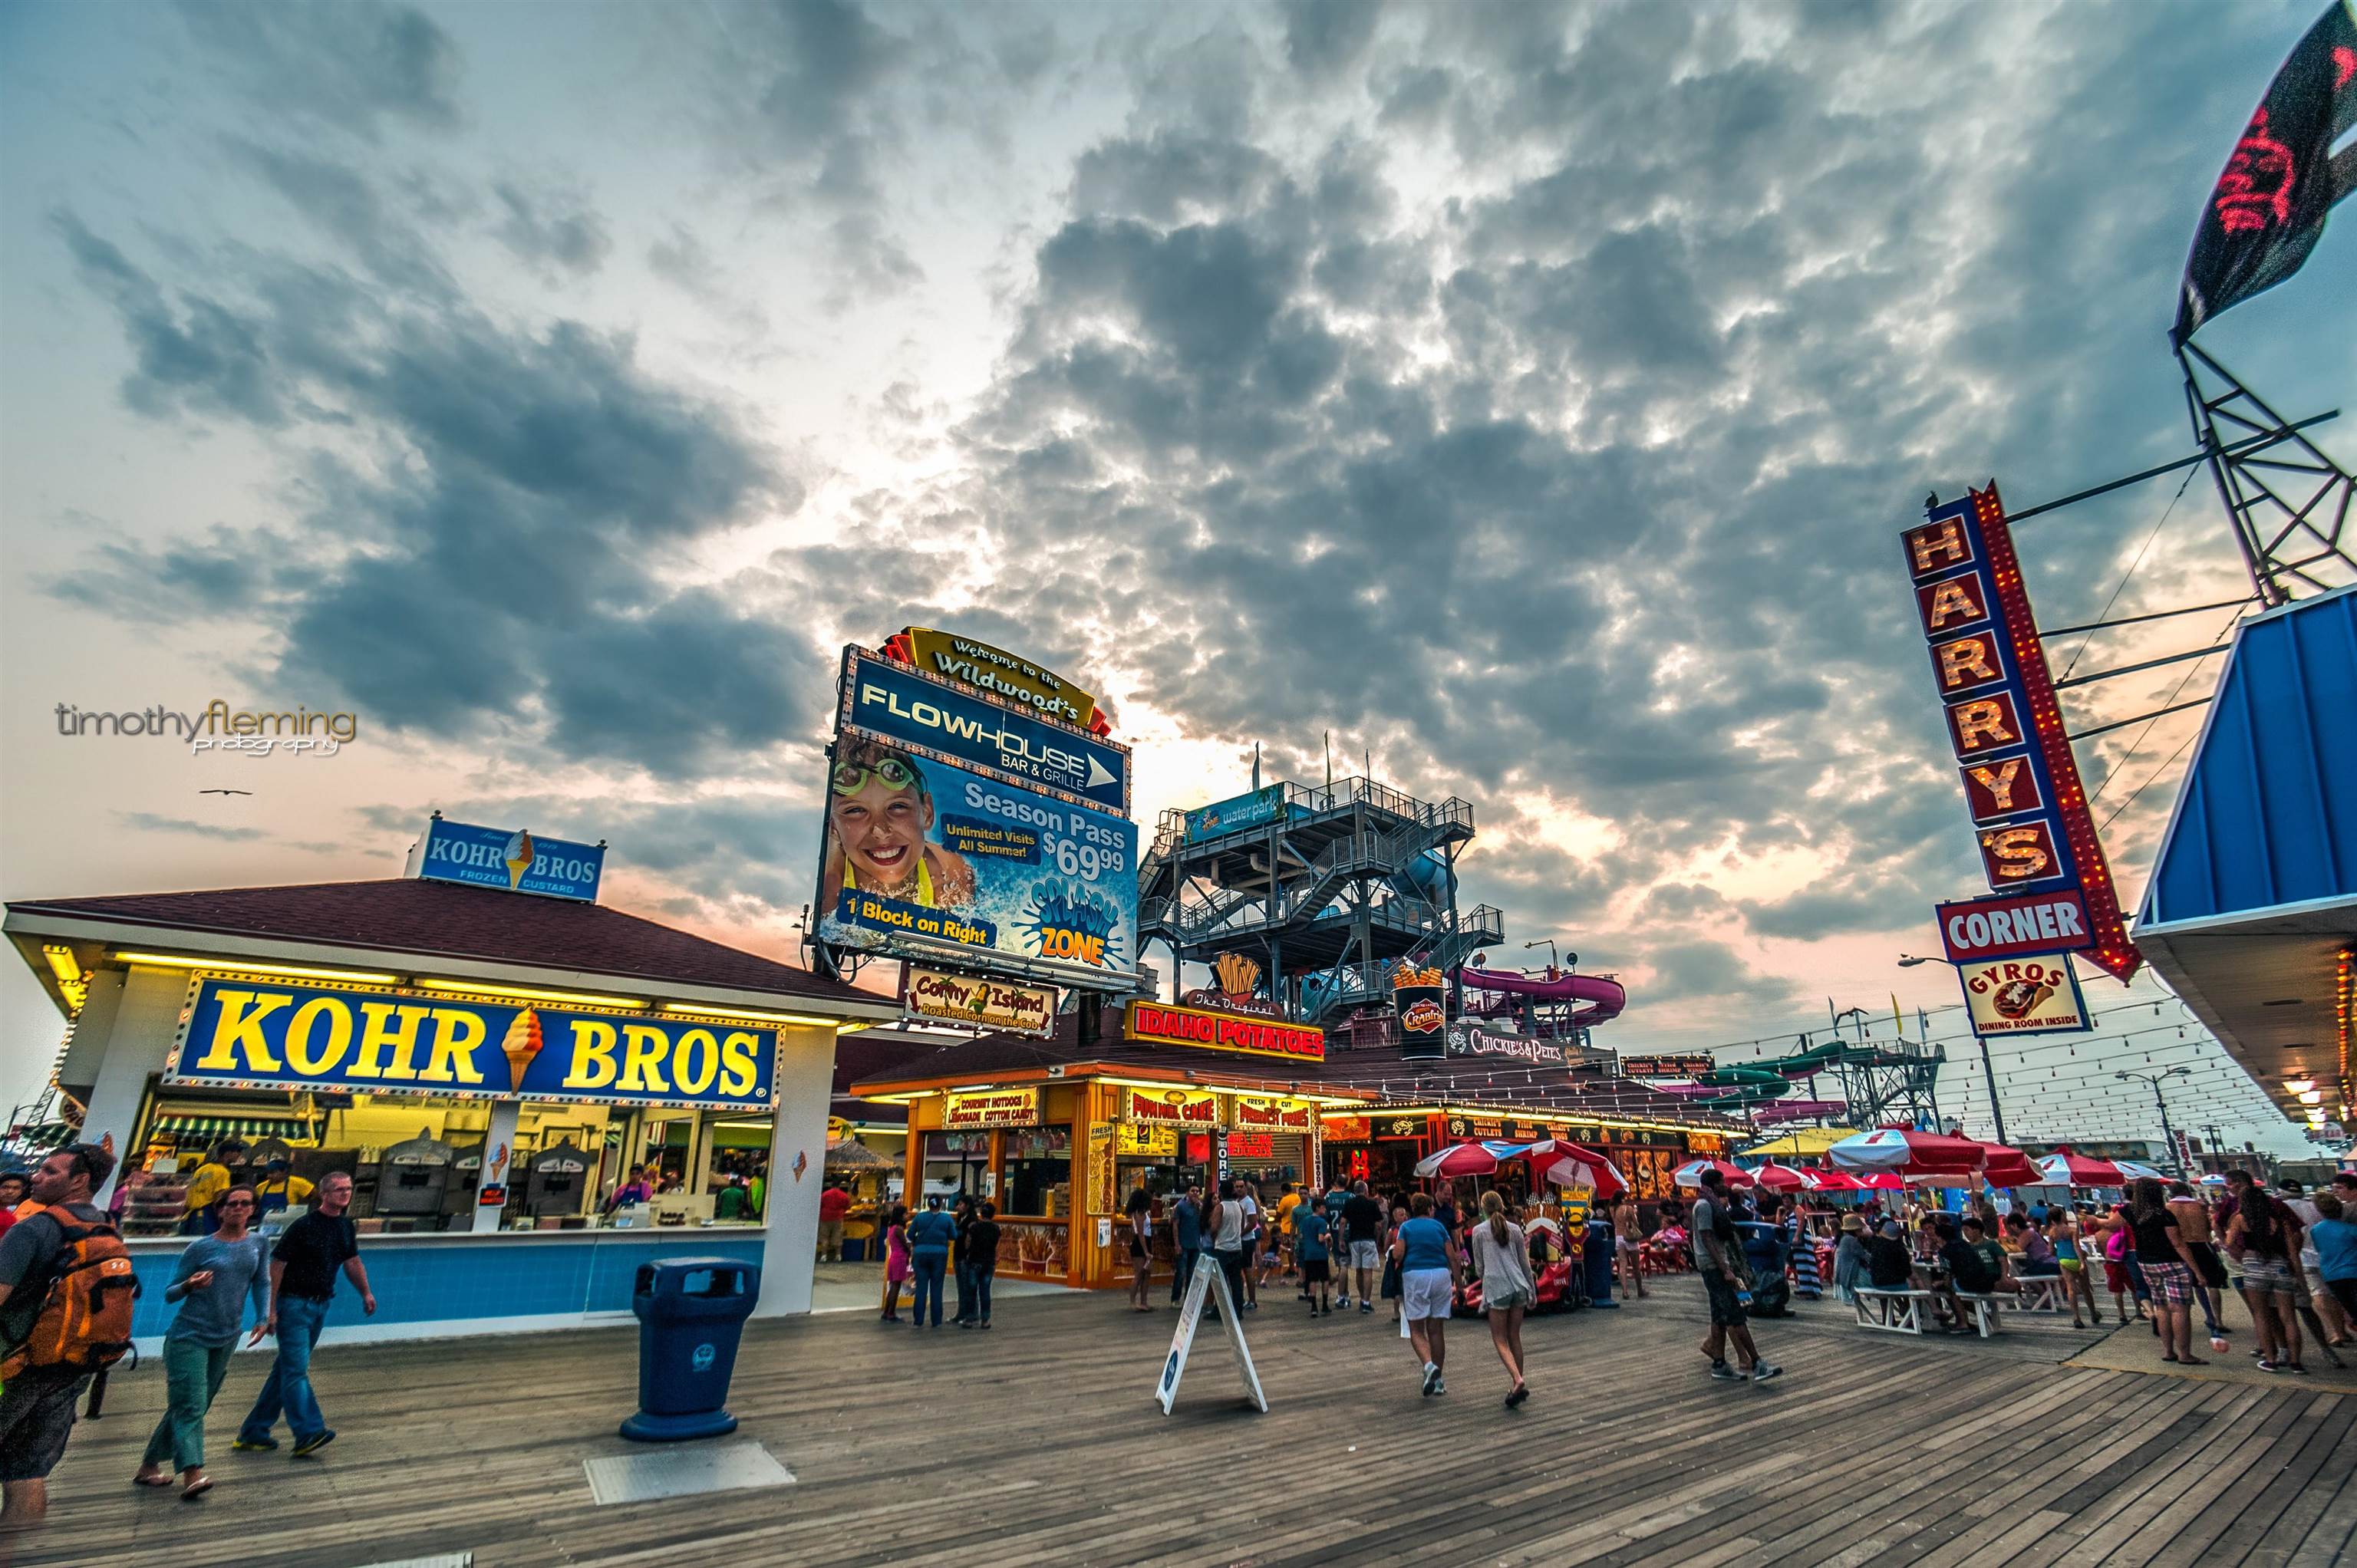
(1766, 1253)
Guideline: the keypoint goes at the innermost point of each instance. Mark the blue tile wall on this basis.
(429, 1281)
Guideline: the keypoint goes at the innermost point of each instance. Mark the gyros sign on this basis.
(1982, 928)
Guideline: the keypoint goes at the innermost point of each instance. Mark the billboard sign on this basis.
(2021, 779)
(999, 672)
(1216, 1029)
(252, 1032)
(2014, 928)
(974, 730)
(514, 862)
(978, 1002)
(922, 858)
(2024, 996)
(1420, 998)
(1258, 808)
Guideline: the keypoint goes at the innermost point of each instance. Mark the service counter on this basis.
(432, 1285)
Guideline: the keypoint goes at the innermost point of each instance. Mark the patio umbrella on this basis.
(2067, 1167)
(1904, 1152)
(1569, 1165)
(2135, 1171)
(2215, 1178)
(1816, 1180)
(850, 1155)
(1690, 1173)
(1778, 1178)
(2007, 1166)
(1468, 1159)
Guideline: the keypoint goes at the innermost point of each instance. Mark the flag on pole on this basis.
(2267, 209)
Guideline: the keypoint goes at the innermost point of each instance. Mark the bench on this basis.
(1983, 1309)
(2042, 1292)
(1893, 1311)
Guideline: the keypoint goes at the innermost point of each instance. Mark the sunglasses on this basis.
(896, 773)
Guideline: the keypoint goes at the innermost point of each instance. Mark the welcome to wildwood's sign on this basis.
(1216, 1029)
(2021, 779)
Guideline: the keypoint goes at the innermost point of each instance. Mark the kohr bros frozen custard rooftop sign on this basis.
(514, 861)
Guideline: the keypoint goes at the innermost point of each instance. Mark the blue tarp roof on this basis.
(2267, 815)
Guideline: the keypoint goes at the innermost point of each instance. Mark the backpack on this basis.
(85, 1321)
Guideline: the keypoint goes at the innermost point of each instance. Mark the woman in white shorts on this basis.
(1428, 1265)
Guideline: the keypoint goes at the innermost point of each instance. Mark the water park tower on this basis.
(1321, 890)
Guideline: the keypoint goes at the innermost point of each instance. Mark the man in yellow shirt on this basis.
(278, 1190)
(206, 1187)
(1285, 1207)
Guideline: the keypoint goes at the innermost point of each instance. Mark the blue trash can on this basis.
(1595, 1260)
(691, 1311)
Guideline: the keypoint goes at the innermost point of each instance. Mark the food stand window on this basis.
(1038, 1163)
(956, 1162)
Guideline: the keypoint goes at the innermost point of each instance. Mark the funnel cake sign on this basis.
(254, 1032)
(2020, 780)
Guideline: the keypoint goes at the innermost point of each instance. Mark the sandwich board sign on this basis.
(1208, 1277)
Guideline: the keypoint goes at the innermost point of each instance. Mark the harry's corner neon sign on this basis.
(2022, 780)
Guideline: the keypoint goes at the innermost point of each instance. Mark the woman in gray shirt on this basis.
(217, 1276)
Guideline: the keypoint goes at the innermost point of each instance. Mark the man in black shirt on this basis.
(302, 1282)
(1888, 1264)
(982, 1262)
(36, 1409)
(1362, 1220)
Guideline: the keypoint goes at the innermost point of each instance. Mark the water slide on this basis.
(1605, 998)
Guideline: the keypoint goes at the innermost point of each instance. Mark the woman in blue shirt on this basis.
(930, 1235)
(1428, 1265)
(216, 1277)
(2335, 1241)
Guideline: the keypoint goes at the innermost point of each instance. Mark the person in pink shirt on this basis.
(896, 1260)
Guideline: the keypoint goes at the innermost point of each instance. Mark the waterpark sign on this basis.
(251, 1032)
(514, 862)
(977, 1002)
(2021, 779)
(2024, 996)
(1258, 808)
(974, 729)
(1215, 1029)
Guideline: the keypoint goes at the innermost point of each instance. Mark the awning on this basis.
(1806, 1143)
(212, 1129)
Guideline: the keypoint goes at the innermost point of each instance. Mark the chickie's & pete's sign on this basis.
(251, 1032)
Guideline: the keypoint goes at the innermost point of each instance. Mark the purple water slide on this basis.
(1605, 998)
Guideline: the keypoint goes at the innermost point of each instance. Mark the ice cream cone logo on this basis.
(519, 857)
(523, 1043)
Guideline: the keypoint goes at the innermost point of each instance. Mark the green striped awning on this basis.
(214, 1128)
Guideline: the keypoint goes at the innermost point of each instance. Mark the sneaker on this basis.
(1252, 1307)
(1764, 1370)
(2296, 1369)
(1440, 1386)
(2267, 1366)
(254, 1444)
(1724, 1373)
(1363, 1306)
(314, 1442)
(1431, 1380)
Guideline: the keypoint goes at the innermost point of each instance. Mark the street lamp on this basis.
(2168, 1135)
(1908, 960)
(1548, 943)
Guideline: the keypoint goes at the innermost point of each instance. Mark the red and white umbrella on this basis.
(1904, 1152)
(2067, 1167)
(2007, 1166)
(1468, 1159)
(1581, 1169)
(1690, 1173)
(1779, 1178)
(1816, 1180)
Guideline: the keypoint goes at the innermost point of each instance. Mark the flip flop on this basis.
(2192, 1362)
(196, 1488)
(151, 1480)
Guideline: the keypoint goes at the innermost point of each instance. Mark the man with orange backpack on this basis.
(66, 1295)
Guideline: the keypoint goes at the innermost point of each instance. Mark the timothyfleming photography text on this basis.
(217, 726)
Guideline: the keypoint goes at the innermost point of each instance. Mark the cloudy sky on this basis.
(1529, 395)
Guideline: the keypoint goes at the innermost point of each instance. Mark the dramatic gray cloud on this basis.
(354, 64)
(553, 231)
(148, 821)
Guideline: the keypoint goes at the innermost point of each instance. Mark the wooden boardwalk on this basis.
(1039, 1443)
